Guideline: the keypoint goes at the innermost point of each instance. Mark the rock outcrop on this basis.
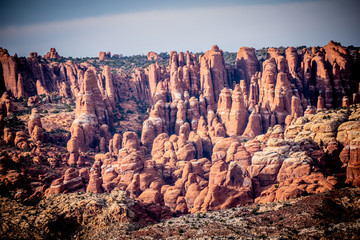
(153, 56)
(6, 104)
(31, 76)
(283, 163)
(214, 136)
(53, 54)
(76, 215)
(104, 55)
(348, 134)
(246, 63)
(213, 67)
(91, 112)
(35, 127)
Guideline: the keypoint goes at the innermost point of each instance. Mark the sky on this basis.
(83, 28)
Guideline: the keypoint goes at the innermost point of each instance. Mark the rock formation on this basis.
(153, 56)
(104, 55)
(53, 54)
(91, 111)
(33, 76)
(35, 127)
(246, 63)
(213, 60)
(6, 104)
(214, 136)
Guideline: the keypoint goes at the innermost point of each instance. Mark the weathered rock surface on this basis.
(153, 56)
(91, 111)
(53, 54)
(334, 214)
(247, 63)
(35, 127)
(6, 104)
(104, 55)
(69, 215)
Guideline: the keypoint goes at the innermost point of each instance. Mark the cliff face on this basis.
(216, 136)
(93, 113)
(33, 76)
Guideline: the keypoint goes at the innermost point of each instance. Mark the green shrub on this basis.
(255, 210)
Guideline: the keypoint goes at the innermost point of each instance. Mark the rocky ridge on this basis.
(66, 216)
(103, 216)
(331, 215)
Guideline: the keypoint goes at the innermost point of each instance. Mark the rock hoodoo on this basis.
(213, 136)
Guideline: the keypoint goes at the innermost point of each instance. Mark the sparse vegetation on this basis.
(255, 210)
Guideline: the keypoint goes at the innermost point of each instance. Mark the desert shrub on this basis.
(255, 210)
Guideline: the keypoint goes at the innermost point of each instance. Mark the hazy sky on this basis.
(82, 28)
